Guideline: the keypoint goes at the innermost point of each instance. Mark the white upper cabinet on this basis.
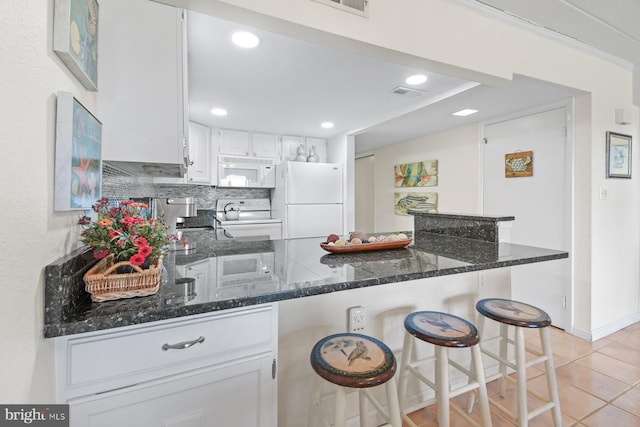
(235, 142)
(140, 99)
(199, 170)
(290, 146)
(265, 145)
(249, 144)
(320, 146)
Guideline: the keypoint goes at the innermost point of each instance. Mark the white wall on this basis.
(32, 234)
(580, 251)
(340, 149)
(458, 188)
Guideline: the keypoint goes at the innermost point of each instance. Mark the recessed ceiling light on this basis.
(417, 79)
(218, 111)
(465, 112)
(327, 125)
(245, 39)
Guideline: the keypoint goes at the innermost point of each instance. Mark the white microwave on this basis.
(246, 172)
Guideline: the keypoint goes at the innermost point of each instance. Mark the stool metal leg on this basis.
(551, 376)
(521, 379)
(442, 381)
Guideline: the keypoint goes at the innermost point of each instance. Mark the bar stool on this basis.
(355, 361)
(520, 315)
(444, 331)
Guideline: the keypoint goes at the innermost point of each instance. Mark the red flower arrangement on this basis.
(124, 232)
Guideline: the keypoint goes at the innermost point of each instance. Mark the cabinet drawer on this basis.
(110, 360)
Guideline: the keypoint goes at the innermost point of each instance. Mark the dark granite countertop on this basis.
(290, 269)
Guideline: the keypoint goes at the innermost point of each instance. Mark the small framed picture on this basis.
(75, 38)
(78, 164)
(618, 155)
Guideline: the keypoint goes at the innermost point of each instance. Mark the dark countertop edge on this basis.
(64, 329)
(474, 217)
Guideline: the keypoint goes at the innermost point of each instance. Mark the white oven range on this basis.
(253, 220)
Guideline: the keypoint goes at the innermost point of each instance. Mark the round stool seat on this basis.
(441, 329)
(513, 313)
(353, 360)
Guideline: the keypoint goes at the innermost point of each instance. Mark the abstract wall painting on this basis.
(78, 164)
(75, 38)
(518, 164)
(418, 174)
(419, 202)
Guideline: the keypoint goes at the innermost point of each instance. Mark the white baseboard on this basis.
(606, 330)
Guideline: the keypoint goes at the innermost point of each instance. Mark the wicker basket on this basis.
(104, 284)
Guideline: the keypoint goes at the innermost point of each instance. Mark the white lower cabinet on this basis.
(238, 394)
(214, 369)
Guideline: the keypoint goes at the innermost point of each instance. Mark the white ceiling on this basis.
(289, 86)
(612, 27)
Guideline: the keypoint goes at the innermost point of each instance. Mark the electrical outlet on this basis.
(356, 320)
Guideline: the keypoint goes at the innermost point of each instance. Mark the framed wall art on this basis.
(421, 202)
(518, 164)
(618, 155)
(78, 163)
(75, 38)
(417, 174)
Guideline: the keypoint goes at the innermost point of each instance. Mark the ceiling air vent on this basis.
(359, 7)
(407, 91)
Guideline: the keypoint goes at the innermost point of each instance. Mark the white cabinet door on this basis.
(199, 169)
(265, 145)
(320, 145)
(140, 87)
(290, 146)
(234, 142)
(241, 394)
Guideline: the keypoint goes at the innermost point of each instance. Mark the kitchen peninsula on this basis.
(286, 273)
(302, 268)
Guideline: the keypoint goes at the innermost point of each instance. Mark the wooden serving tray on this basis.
(376, 246)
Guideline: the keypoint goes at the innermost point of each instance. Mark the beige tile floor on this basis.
(598, 383)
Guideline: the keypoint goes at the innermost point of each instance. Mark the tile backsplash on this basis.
(120, 185)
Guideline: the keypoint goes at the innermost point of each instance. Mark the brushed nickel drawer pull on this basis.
(182, 345)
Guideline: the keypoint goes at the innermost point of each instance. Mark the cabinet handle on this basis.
(273, 369)
(182, 345)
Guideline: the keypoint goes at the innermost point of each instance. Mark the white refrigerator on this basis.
(308, 199)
